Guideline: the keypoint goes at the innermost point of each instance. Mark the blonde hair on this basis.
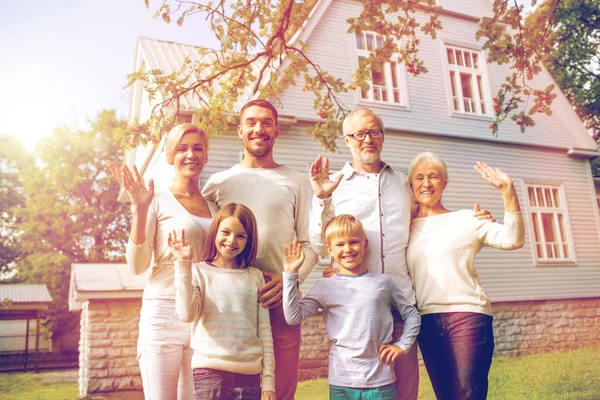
(243, 214)
(344, 225)
(427, 156)
(174, 138)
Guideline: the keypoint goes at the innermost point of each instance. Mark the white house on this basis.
(545, 295)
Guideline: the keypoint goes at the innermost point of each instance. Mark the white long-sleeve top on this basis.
(441, 256)
(358, 320)
(231, 330)
(165, 215)
(382, 202)
(280, 200)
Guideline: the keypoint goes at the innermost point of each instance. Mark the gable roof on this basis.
(169, 57)
(104, 281)
(20, 293)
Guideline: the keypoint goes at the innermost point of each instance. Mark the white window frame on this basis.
(390, 70)
(473, 64)
(553, 202)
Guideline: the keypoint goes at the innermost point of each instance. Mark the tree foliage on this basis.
(13, 158)
(260, 55)
(70, 212)
(574, 59)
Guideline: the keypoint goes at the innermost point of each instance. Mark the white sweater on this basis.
(231, 330)
(165, 215)
(441, 255)
(280, 199)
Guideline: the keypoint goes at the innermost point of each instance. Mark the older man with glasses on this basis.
(371, 190)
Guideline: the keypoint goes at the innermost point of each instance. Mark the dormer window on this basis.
(468, 82)
(387, 83)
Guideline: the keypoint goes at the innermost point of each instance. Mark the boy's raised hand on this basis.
(293, 257)
(389, 353)
(180, 249)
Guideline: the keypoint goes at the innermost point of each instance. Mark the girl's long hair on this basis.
(243, 214)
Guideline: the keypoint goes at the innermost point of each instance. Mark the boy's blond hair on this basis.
(344, 225)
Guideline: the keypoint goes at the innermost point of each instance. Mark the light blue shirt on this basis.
(358, 319)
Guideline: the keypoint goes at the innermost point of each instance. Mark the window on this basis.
(467, 81)
(549, 222)
(387, 79)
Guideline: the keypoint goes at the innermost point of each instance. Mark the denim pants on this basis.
(213, 384)
(164, 353)
(457, 349)
(387, 392)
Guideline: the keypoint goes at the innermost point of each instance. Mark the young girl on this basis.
(231, 334)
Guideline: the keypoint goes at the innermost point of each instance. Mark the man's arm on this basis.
(303, 210)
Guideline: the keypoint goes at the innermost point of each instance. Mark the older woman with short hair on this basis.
(456, 337)
(164, 352)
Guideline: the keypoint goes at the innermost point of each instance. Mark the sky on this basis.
(62, 61)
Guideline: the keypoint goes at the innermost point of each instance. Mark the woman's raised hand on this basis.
(133, 183)
(494, 176)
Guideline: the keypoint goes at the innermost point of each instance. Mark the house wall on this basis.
(333, 49)
(108, 346)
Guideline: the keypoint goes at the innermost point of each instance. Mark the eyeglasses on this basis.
(361, 135)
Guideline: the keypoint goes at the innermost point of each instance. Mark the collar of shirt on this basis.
(348, 170)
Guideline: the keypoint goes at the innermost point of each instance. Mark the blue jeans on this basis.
(457, 350)
(213, 384)
(387, 392)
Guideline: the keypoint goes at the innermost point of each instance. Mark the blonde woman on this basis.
(164, 352)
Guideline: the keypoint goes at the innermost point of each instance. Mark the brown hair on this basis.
(174, 138)
(243, 214)
(344, 225)
(259, 103)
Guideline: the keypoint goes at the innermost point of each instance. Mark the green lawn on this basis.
(558, 376)
(561, 376)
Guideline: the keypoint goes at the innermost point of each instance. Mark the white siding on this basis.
(505, 275)
(332, 48)
(474, 8)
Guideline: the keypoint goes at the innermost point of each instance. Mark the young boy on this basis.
(356, 308)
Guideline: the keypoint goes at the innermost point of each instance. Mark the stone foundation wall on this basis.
(108, 346)
(109, 330)
(533, 327)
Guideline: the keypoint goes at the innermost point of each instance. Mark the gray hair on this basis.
(427, 156)
(359, 112)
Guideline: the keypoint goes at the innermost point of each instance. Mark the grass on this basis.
(21, 386)
(571, 375)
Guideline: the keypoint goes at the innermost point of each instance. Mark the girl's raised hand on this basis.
(293, 257)
(180, 249)
(134, 185)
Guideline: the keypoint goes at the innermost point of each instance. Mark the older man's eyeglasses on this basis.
(361, 135)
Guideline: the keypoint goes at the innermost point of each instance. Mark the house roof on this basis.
(104, 281)
(20, 293)
(169, 57)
